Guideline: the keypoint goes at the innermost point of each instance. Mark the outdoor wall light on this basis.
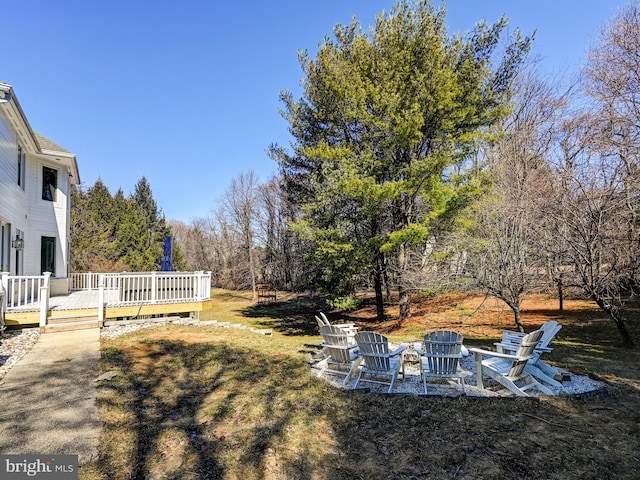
(4, 96)
(18, 243)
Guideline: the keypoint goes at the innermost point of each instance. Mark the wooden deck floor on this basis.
(75, 300)
(79, 300)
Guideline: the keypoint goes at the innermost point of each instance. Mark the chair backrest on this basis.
(338, 354)
(374, 349)
(336, 343)
(334, 336)
(524, 353)
(443, 349)
(550, 329)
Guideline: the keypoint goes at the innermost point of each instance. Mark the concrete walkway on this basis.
(48, 399)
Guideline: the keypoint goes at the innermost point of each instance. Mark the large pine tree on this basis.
(382, 132)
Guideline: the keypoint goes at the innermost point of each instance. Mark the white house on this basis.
(35, 180)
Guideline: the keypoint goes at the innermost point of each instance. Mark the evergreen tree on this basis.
(383, 132)
(153, 227)
(115, 233)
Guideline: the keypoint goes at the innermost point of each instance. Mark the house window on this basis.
(22, 166)
(48, 255)
(49, 183)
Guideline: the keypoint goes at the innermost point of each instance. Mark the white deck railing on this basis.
(154, 287)
(114, 289)
(26, 291)
(23, 290)
(84, 281)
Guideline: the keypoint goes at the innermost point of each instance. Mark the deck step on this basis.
(65, 323)
(72, 318)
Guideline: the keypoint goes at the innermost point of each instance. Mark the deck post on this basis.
(198, 288)
(101, 299)
(44, 299)
(154, 287)
(4, 286)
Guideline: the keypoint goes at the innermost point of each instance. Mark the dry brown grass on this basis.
(198, 402)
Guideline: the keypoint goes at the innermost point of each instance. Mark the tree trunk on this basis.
(515, 308)
(404, 293)
(618, 320)
(560, 293)
(377, 285)
(518, 318)
(404, 302)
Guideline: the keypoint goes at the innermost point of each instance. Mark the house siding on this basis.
(46, 218)
(14, 205)
(24, 209)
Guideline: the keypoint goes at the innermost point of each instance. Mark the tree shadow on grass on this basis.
(219, 409)
(292, 317)
(202, 410)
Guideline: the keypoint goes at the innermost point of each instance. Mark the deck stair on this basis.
(75, 321)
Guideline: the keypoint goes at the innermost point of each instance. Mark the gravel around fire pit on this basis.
(412, 382)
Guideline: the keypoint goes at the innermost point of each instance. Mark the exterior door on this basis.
(48, 255)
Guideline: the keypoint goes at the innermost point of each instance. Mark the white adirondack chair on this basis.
(377, 361)
(341, 357)
(536, 367)
(349, 328)
(440, 359)
(508, 369)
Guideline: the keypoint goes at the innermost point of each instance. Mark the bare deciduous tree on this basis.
(504, 239)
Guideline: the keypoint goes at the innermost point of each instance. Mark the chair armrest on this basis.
(351, 346)
(510, 347)
(418, 348)
(399, 350)
(478, 352)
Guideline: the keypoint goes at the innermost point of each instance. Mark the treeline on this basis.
(424, 161)
(421, 162)
(114, 233)
(247, 239)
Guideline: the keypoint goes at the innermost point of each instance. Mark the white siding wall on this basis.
(25, 209)
(13, 200)
(46, 218)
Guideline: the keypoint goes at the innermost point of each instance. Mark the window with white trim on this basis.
(49, 183)
(22, 166)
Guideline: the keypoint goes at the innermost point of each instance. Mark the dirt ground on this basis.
(479, 316)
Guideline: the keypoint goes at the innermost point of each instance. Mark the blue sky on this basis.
(186, 93)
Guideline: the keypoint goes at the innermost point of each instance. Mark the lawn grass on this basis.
(193, 402)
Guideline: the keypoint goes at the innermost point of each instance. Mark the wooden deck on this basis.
(84, 303)
(95, 298)
(75, 300)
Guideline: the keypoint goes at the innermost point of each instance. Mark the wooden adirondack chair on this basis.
(536, 367)
(377, 361)
(349, 328)
(440, 359)
(508, 369)
(340, 352)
